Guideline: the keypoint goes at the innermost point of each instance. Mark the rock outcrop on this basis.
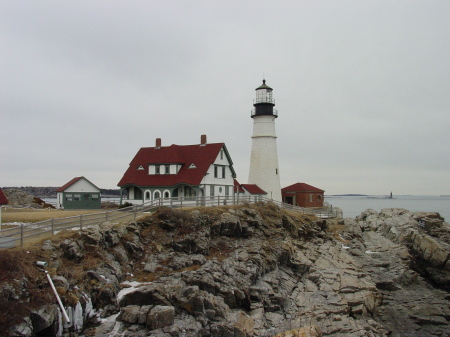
(18, 198)
(253, 271)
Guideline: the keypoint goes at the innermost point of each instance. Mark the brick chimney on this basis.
(203, 140)
(158, 143)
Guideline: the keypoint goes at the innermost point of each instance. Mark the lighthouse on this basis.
(264, 170)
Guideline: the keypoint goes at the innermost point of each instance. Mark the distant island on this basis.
(50, 192)
(349, 195)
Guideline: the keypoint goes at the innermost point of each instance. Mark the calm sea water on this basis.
(352, 206)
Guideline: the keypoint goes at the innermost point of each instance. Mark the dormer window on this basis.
(140, 167)
(164, 168)
(192, 166)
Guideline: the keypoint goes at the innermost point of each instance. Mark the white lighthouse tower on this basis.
(264, 170)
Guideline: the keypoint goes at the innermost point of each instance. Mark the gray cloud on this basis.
(361, 88)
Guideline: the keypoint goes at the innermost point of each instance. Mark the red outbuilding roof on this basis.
(301, 187)
(195, 161)
(253, 189)
(250, 188)
(3, 200)
(73, 181)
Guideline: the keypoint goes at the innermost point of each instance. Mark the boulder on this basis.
(45, 318)
(130, 314)
(160, 316)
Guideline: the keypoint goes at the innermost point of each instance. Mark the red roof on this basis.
(301, 187)
(70, 183)
(237, 187)
(201, 156)
(3, 199)
(253, 189)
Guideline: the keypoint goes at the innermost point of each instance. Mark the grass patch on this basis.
(335, 228)
(18, 273)
(35, 215)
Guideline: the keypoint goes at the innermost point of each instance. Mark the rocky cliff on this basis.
(254, 270)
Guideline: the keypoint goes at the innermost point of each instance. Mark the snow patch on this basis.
(133, 286)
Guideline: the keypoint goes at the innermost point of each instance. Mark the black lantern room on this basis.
(264, 101)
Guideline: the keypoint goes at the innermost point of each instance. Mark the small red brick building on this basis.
(303, 195)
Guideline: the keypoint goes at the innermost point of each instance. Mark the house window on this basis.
(211, 190)
(189, 192)
(68, 197)
(77, 197)
(227, 193)
(166, 194)
(95, 196)
(86, 196)
(221, 154)
(157, 169)
(310, 198)
(157, 195)
(167, 169)
(219, 171)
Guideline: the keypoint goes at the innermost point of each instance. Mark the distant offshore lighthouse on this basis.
(264, 170)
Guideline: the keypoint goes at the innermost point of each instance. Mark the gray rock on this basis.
(24, 329)
(160, 317)
(130, 314)
(45, 317)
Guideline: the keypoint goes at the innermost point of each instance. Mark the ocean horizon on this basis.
(353, 204)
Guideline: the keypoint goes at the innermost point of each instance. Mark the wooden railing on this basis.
(16, 236)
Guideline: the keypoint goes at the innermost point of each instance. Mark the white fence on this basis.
(15, 236)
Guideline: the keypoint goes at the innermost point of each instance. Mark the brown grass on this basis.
(335, 228)
(35, 215)
(17, 264)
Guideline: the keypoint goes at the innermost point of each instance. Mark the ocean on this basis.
(352, 206)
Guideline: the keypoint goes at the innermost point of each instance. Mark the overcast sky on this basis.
(362, 88)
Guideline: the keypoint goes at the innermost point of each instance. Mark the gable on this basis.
(79, 184)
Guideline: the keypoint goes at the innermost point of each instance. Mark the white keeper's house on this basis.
(178, 171)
